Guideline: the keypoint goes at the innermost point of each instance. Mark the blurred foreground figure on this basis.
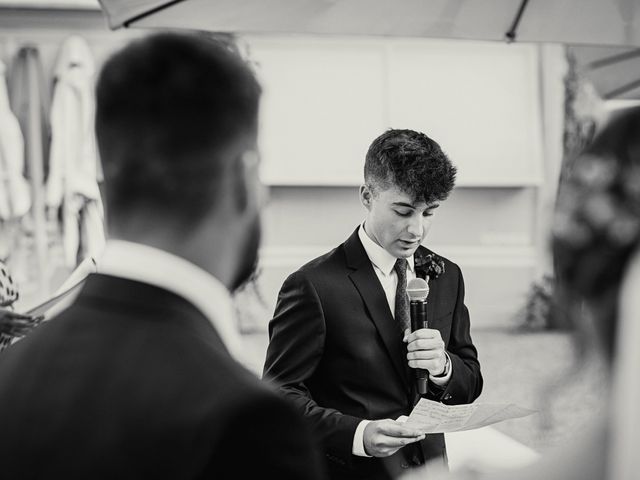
(137, 379)
(596, 248)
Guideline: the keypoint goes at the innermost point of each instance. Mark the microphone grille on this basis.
(418, 289)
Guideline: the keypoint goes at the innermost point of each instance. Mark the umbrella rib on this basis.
(613, 59)
(150, 12)
(622, 90)
(512, 33)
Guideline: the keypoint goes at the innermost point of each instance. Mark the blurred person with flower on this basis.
(340, 343)
(596, 251)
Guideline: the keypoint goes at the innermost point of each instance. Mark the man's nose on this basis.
(415, 226)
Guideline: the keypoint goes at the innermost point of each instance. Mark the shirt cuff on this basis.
(441, 381)
(358, 440)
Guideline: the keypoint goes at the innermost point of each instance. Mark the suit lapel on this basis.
(366, 282)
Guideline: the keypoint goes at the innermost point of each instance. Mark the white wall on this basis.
(327, 98)
(489, 232)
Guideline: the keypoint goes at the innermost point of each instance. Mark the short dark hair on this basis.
(412, 162)
(168, 105)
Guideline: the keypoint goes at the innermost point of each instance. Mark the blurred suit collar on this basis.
(145, 264)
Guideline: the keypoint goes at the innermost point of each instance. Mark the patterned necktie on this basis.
(402, 300)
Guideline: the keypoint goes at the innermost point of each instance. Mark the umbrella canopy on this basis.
(596, 22)
(614, 72)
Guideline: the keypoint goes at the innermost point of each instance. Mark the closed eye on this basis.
(402, 213)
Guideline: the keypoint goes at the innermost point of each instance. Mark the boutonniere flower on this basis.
(429, 266)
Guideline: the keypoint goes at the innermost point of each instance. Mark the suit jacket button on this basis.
(404, 465)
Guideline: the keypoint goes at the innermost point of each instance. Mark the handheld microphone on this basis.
(418, 291)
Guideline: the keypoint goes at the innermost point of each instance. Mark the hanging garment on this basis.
(15, 199)
(27, 73)
(73, 164)
(29, 100)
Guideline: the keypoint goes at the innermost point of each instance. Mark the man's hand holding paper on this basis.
(385, 437)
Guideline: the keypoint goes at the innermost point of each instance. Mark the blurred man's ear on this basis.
(246, 186)
(240, 188)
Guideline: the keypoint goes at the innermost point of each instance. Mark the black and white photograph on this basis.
(320, 239)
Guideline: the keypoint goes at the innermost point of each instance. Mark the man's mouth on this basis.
(410, 243)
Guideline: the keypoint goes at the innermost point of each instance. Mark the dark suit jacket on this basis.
(337, 352)
(132, 381)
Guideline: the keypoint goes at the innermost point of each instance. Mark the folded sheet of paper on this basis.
(433, 417)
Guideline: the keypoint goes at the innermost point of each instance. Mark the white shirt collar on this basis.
(150, 265)
(382, 259)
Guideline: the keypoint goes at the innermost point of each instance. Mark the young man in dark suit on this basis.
(340, 347)
(139, 377)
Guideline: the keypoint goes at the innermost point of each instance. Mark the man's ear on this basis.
(366, 197)
(243, 181)
(239, 184)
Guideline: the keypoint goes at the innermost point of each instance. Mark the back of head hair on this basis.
(597, 223)
(168, 105)
(411, 161)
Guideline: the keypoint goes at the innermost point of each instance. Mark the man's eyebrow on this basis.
(403, 204)
(409, 205)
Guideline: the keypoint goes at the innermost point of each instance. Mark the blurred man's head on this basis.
(176, 124)
(406, 176)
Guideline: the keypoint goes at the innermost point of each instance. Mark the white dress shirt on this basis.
(383, 263)
(146, 264)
